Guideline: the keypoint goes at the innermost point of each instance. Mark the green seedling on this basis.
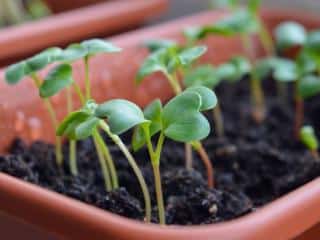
(179, 120)
(171, 61)
(243, 22)
(310, 140)
(299, 72)
(121, 115)
(85, 50)
(30, 67)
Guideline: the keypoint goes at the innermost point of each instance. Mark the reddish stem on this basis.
(206, 160)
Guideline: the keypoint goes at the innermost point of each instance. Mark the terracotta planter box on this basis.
(97, 20)
(61, 6)
(285, 218)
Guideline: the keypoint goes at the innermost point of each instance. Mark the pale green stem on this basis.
(257, 95)
(155, 160)
(79, 93)
(107, 155)
(87, 78)
(134, 166)
(72, 143)
(105, 170)
(53, 117)
(266, 39)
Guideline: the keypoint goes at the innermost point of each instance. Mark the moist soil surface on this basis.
(254, 164)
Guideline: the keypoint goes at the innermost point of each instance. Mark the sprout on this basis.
(171, 61)
(121, 116)
(29, 68)
(179, 120)
(85, 50)
(310, 140)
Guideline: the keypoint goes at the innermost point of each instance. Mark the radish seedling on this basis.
(85, 50)
(179, 120)
(29, 67)
(121, 115)
(170, 61)
(310, 140)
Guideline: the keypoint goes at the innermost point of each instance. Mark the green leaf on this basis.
(153, 113)
(154, 45)
(43, 59)
(241, 22)
(208, 97)
(182, 120)
(95, 46)
(285, 70)
(189, 55)
(70, 123)
(14, 73)
(122, 115)
(73, 52)
(309, 138)
(155, 62)
(86, 128)
(18, 71)
(264, 67)
(87, 48)
(203, 75)
(57, 79)
(306, 64)
(227, 71)
(192, 33)
(312, 44)
(290, 34)
(309, 86)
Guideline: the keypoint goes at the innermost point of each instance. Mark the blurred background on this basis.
(185, 7)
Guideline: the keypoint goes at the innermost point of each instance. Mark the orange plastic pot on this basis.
(50, 213)
(100, 19)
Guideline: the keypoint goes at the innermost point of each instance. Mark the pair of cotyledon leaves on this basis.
(241, 21)
(61, 75)
(180, 119)
(166, 56)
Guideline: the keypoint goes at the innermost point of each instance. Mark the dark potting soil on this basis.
(254, 164)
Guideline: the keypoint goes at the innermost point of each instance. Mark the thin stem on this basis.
(72, 143)
(58, 150)
(133, 165)
(257, 99)
(174, 83)
(109, 160)
(159, 194)
(207, 162)
(257, 96)
(299, 111)
(105, 170)
(266, 39)
(73, 157)
(87, 78)
(79, 93)
(14, 11)
(218, 120)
